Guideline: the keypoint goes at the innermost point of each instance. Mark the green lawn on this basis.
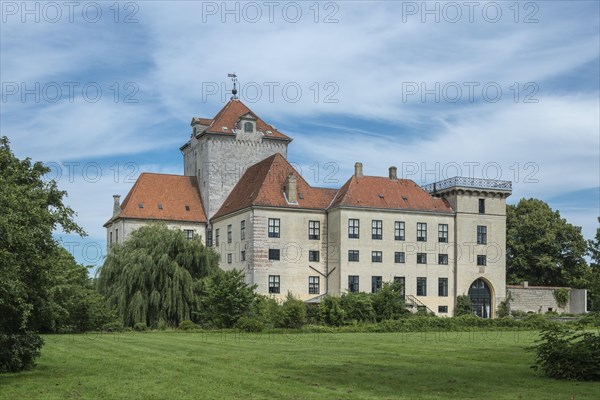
(171, 365)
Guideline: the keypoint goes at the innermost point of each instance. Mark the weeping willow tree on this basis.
(154, 277)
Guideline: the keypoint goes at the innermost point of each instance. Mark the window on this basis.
(314, 230)
(217, 237)
(443, 287)
(421, 232)
(443, 259)
(243, 230)
(229, 233)
(274, 254)
(421, 258)
(248, 127)
(443, 233)
(376, 256)
(481, 260)
(274, 226)
(399, 230)
(229, 258)
(243, 255)
(274, 284)
(353, 283)
(110, 241)
(352, 255)
(421, 286)
(399, 257)
(209, 237)
(189, 233)
(353, 229)
(117, 236)
(481, 206)
(313, 255)
(402, 281)
(443, 309)
(376, 229)
(376, 282)
(313, 285)
(481, 234)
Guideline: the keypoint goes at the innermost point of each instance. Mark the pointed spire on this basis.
(234, 90)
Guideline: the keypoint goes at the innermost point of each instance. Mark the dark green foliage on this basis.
(504, 306)
(388, 302)
(331, 311)
(267, 311)
(140, 327)
(567, 354)
(561, 296)
(463, 306)
(294, 312)
(542, 247)
(358, 307)
(225, 298)
(592, 281)
(187, 325)
(249, 324)
(31, 210)
(155, 276)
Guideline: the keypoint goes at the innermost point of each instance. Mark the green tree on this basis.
(358, 307)
(226, 297)
(593, 275)
(331, 311)
(32, 209)
(463, 306)
(154, 276)
(388, 302)
(543, 248)
(294, 312)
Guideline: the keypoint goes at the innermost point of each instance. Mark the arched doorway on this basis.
(481, 298)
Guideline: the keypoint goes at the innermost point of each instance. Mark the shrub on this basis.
(331, 311)
(294, 312)
(518, 313)
(115, 326)
(388, 302)
(358, 307)
(19, 351)
(566, 354)
(140, 327)
(187, 325)
(592, 319)
(463, 306)
(561, 296)
(504, 306)
(249, 324)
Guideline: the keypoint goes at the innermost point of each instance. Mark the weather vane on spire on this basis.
(234, 90)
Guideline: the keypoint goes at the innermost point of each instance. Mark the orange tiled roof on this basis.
(172, 192)
(230, 115)
(382, 192)
(201, 121)
(263, 185)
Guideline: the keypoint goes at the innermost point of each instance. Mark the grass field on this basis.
(170, 365)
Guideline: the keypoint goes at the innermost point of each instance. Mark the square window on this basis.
(376, 229)
(443, 287)
(353, 283)
(399, 230)
(353, 228)
(443, 233)
(399, 257)
(481, 234)
(229, 258)
(421, 286)
(189, 233)
(443, 309)
(481, 260)
(376, 282)
(376, 256)
(273, 254)
(443, 259)
(421, 232)
(314, 230)
(274, 227)
(313, 255)
(274, 284)
(353, 255)
(313, 285)
(421, 258)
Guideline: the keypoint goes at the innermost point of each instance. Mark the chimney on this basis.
(291, 189)
(116, 205)
(525, 284)
(393, 173)
(358, 169)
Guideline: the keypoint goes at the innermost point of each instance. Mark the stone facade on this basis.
(119, 230)
(540, 299)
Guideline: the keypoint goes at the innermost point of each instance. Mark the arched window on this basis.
(248, 127)
(481, 299)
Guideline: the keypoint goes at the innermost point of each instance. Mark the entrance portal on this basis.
(481, 299)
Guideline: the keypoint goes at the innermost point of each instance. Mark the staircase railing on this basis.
(412, 301)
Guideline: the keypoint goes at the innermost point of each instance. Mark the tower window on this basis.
(248, 127)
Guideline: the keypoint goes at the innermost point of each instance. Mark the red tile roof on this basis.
(381, 192)
(263, 185)
(201, 121)
(172, 192)
(230, 115)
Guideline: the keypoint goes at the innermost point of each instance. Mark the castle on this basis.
(242, 196)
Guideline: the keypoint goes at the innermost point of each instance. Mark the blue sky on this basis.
(506, 90)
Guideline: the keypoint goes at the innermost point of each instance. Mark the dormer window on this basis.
(248, 127)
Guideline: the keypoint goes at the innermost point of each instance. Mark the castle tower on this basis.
(222, 148)
(480, 232)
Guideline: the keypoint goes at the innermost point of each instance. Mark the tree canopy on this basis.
(543, 248)
(31, 210)
(154, 276)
